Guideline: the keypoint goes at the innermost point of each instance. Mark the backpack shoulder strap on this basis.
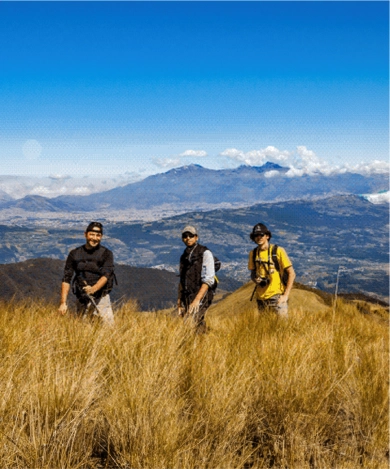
(275, 257)
(102, 252)
(254, 256)
(200, 249)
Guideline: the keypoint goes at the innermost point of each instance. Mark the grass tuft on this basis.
(255, 392)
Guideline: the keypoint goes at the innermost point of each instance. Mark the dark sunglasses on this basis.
(187, 235)
(259, 234)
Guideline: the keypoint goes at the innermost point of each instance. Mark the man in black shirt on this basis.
(90, 268)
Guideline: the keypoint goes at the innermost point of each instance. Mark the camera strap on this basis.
(265, 264)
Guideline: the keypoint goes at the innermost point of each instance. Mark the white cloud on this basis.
(167, 162)
(366, 169)
(81, 190)
(308, 163)
(193, 153)
(41, 190)
(176, 160)
(276, 155)
(295, 172)
(302, 162)
(20, 186)
(307, 155)
(381, 198)
(272, 174)
(233, 153)
(257, 157)
(59, 177)
(54, 191)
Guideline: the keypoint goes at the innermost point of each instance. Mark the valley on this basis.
(319, 235)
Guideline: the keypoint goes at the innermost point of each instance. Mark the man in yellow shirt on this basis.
(268, 269)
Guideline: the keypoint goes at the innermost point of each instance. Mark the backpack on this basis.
(217, 266)
(283, 274)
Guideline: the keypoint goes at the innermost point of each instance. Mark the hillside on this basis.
(239, 301)
(255, 392)
(37, 203)
(303, 299)
(152, 289)
(41, 278)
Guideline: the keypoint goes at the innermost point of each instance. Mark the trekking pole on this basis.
(92, 300)
(253, 293)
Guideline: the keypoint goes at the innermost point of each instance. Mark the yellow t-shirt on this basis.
(262, 262)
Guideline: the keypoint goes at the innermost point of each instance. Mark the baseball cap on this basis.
(189, 229)
(95, 226)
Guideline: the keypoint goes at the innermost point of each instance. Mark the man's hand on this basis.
(194, 307)
(65, 287)
(180, 309)
(282, 299)
(63, 309)
(89, 290)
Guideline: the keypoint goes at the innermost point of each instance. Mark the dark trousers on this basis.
(198, 320)
(199, 317)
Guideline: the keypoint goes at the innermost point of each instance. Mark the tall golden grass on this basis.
(255, 392)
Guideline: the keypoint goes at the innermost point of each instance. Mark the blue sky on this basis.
(106, 88)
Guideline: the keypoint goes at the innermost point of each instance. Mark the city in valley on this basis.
(319, 235)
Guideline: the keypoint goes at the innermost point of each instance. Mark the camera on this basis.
(263, 281)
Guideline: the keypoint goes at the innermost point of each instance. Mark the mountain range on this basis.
(320, 235)
(322, 221)
(194, 187)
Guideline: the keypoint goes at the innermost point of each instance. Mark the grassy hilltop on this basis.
(255, 392)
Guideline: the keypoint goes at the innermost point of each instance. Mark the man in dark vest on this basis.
(197, 277)
(90, 268)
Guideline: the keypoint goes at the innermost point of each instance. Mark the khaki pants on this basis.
(103, 310)
(271, 304)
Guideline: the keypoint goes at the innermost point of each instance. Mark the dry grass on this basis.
(255, 392)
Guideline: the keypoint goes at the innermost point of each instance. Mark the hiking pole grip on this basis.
(90, 297)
